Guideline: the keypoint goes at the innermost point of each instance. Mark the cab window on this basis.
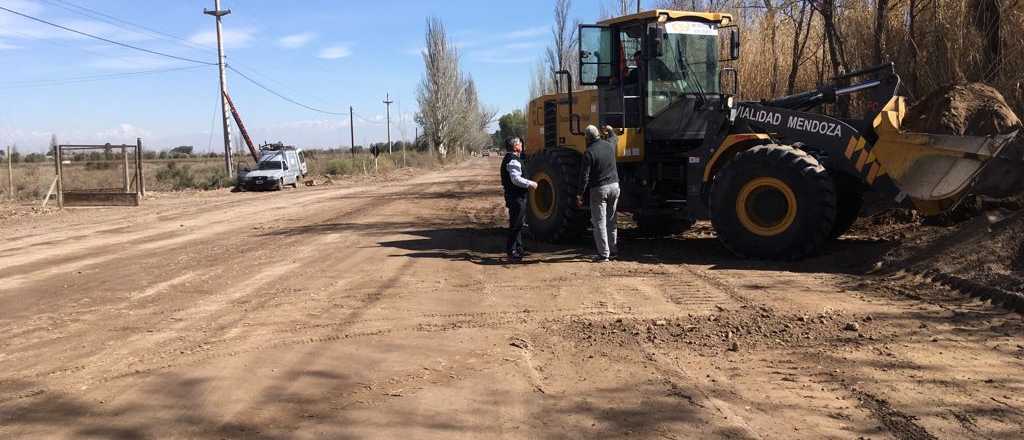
(686, 65)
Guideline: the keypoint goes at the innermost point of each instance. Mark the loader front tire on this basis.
(773, 202)
(551, 208)
(849, 201)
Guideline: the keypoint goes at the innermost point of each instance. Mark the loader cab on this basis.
(656, 72)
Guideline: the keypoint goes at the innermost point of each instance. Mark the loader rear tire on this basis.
(773, 202)
(551, 208)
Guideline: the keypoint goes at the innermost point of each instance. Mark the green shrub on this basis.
(218, 178)
(99, 165)
(341, 167)
(177, 177)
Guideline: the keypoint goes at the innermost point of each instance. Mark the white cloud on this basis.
(313, 124)
(295, 41)
(233, 38)
(6, 46)
(335, 52)
(527, 33)
(468, 44)
(499, 57)
(24, 6)
(527, 45)
(124, 132)
(12, 26)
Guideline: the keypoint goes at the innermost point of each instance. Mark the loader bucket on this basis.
(934, 170)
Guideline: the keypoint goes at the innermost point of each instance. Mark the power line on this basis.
(118, 43)
(282, 87)
(110, 19)
(279, 95)
(89, 78)
(59, 43)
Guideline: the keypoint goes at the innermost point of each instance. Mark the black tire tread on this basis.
(568, 163)
(849, 200)
(811, 169)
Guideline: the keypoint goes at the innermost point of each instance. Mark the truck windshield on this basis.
(270, 165)
(688, 65)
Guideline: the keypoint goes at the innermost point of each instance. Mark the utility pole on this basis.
(401, 130)
(352, 132)
(387, 103)
(637, 6)
(10, 174)
(218, 13)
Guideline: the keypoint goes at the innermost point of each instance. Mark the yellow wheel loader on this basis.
(777, 179)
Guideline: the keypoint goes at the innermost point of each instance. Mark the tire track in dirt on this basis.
(483, 320)
(358, 209)
(153, 238)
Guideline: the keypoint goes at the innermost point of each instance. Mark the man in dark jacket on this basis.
(599, 173)
(516, 189)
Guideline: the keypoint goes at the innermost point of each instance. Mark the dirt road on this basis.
(385, 311)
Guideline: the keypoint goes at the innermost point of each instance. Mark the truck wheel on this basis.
(773, 202)
(552, 213)
(296, 183)
(280, 184)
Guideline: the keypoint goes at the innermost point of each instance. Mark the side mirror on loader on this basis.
(729, 45)
(655, 36)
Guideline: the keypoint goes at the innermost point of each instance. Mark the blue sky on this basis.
(328, 54)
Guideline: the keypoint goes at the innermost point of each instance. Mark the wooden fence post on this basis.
(138, 160)
(60, 177)
(124, 158)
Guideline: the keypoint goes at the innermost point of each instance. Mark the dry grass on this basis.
(948, 45)
(32, 180)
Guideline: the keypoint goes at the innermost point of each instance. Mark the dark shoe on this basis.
(613, 256)
(600, 259)
(515, 258)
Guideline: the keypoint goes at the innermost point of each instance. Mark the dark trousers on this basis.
(516, 218)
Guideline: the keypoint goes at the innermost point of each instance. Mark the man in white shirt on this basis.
(516, 189)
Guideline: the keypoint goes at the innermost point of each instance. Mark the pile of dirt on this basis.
(978, 247)
(739, 329)
(973, 109)
(977, 250)
(983, 257)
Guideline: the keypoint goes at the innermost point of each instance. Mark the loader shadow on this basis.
(435, 238)
(485, 246)
(843, 256)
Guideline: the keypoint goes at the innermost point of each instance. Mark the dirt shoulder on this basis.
(385, 310)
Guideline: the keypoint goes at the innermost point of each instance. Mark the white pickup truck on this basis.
(277, 167)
